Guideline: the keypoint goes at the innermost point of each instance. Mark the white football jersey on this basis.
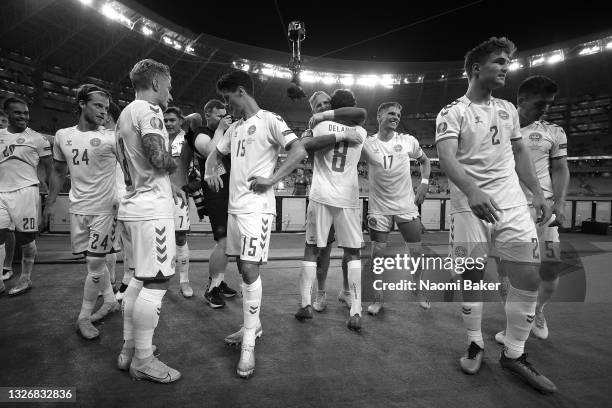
(334, 171)
(254, 144)
(149, 195)
(92, 160)
(484, 134)
(389, 173)
(120, 182)
(20, 154)
(546, 141)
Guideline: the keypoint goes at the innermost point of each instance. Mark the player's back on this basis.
(149, 195)
(92, 161)
(20, 154)
(334, 176)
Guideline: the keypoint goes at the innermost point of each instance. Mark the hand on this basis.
(180, 198)
(421, 192)
(351, 136)
(260, 184)
(483, 206)
(557, 210)
(225, 123)
(543, 211)
(315, 119)
(46, 217)
(214, 181)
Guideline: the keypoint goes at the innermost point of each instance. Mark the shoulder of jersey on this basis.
(552, 126)
(457, 104)
(507, 104)
(142, 104)
(272, 115)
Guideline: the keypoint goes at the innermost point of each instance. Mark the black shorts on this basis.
(217, 214)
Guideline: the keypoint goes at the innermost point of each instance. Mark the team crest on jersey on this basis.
(442, 127)
(156, 123)
(95, 142)
(372, 222)
(397, 148)
(503, 115)
(251, 130)
(460, 251)
(69, 142)
(21, 140)
(535, 137)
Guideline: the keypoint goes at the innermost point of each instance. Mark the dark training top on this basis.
(208, 193)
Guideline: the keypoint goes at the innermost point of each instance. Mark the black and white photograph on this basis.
(305, 204)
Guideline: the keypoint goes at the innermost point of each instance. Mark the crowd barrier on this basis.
(291, 213)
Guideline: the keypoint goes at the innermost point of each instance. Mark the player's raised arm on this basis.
(348, 114)
(157, 154)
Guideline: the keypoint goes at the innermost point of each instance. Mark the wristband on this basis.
(424, 181)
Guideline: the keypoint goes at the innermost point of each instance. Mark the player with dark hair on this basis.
(320, 103)
(200, 142)
(146, 213)
(22, 151)
(391, 198)
(254, 142)
(87, 150)
(334, 200)
(547, 144)
(481, 149)
(173, 119)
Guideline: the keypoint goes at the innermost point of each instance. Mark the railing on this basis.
(291, 213)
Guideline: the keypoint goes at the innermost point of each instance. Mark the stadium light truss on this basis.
(116, 11)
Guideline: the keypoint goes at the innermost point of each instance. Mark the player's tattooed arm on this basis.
(421, 191)
(483, 206)
(156, 152)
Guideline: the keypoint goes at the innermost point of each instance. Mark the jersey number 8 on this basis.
(339, 158)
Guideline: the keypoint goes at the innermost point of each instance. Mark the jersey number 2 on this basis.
(339, 158)
(494, 139)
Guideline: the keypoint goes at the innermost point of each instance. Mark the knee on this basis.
(95, 265)
(181, 238)
(378, 247)
(162, 284)
(28, 251)
(549, 271)
(351, 254)
(250, 272)
(4, 233)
